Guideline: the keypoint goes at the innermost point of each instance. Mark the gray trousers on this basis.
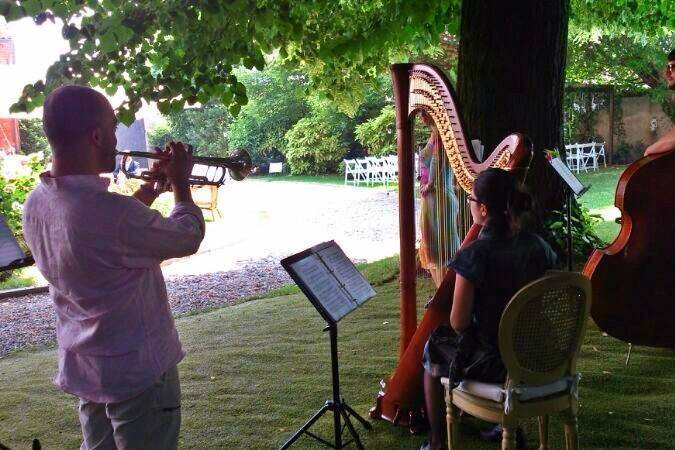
(149, 421)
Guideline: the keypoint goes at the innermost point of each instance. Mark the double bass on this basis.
(633, 279)
(422, 87)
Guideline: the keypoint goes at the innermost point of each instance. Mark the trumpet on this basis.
(206, 170)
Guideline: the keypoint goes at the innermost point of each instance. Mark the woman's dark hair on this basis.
(671, 55)
(510, 209)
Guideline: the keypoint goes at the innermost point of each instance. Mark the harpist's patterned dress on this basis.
(438, 208)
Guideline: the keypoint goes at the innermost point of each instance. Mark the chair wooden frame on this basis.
(206, 197)
(511, 409)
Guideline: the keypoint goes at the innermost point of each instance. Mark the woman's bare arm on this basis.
(462, 304)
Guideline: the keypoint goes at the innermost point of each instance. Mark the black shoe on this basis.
(427, 446)
(494, 434)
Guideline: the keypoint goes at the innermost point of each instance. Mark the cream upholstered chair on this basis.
(540, 335)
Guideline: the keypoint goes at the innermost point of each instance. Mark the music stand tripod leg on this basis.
(356, 415)
(317, 415)
(355, 435)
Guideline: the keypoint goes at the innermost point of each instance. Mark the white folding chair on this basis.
(572, 151)
(589, 158)
(601, 153)
(362, 170)
(392, 167)
(376, 170)
(351, 168)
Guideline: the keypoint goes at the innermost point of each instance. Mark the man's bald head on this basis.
(71, 113)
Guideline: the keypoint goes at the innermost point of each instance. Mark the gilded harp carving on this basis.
(421, 87)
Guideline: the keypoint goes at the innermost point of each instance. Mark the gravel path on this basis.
(262, 223)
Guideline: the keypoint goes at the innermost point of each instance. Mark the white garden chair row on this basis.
(585, 156)
(371, 170)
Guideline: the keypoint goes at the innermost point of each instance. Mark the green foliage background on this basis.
(205, 128)
(313, 145)
(13, 191)
(32, 137)
(378, 135)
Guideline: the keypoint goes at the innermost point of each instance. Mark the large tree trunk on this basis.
(511, 78)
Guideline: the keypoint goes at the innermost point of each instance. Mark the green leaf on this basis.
(108, 42)
(235, 109)
(126, 116)
(15, 13)
(32, 7)
(164, 107)
(123, 34)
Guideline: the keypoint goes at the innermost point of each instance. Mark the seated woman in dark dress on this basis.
(490, 270)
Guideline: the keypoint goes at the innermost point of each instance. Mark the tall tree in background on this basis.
(511, 76)
(204, 127)
(276, 101)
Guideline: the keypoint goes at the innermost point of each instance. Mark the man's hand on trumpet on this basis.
(170, 173)
(178, 169)
(179, 164)
(159, 182)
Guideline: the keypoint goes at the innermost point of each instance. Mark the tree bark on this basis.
(511, 77)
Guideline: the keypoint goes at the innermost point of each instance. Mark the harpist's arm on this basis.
(462, 304)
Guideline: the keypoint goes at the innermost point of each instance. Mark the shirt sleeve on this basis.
(470, 263)
(146, 238)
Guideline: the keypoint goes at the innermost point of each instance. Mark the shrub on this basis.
(32, 137)
(378, 135)
(584, 239)
(160, 135)
(13, 190)
(313, 147)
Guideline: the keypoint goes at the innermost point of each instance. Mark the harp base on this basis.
(412, 418)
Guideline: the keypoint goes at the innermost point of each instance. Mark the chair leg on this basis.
(509, 438)
(452, 421)
(543, 432)
(571, 432)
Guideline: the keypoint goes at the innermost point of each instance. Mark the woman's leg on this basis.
(435, 409)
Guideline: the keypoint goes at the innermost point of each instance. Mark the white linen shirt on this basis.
(100, 252)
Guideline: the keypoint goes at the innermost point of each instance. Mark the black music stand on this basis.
(573, 187)
(335, 287)
(11, 255)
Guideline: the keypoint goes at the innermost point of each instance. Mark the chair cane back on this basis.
(540, 335)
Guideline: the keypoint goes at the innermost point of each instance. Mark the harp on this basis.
(421, 87)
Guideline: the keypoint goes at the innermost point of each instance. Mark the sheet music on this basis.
(565, 173)
(9, 248)
(319, 280)
(343, 269)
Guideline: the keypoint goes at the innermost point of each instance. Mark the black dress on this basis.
(498, 267)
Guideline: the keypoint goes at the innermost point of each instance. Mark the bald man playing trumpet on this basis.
(118, 347)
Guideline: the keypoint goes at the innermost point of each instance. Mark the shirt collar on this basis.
(92, 182)
(488, 232)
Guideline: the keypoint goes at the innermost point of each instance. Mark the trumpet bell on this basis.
(241, 164)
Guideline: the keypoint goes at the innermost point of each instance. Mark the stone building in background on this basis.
(9, 128)
(133, 138)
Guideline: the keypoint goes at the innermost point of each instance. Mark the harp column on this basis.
(406, 200)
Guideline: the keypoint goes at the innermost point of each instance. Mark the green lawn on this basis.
(599, 199)
(256, 371)
(324, 179)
